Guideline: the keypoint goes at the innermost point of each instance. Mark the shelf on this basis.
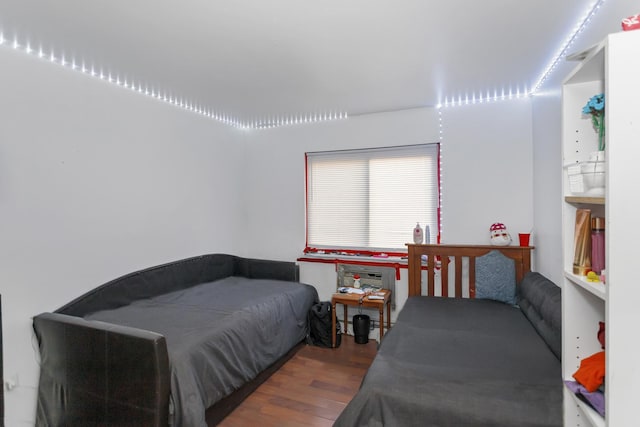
(592, 416)
(610, 68)
(584, 200)
(591, 68)
(596, 288)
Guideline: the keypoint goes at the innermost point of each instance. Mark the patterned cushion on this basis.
(496, 278)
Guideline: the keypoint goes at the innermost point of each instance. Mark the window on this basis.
(372, 199)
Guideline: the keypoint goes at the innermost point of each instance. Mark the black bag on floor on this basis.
(320, 316)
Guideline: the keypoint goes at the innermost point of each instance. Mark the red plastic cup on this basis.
(524, 238)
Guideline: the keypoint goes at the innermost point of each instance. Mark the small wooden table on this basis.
(363, 300)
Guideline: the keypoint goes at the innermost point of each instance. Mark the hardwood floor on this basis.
(311, 389)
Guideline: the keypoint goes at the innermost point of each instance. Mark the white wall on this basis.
(487, 176)
(487, 170)
(547, 158)
(95, 182)
(276, 167)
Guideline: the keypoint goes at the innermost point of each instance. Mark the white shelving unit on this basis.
(612, 67)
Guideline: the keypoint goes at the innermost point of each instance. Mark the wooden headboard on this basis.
(445, 254)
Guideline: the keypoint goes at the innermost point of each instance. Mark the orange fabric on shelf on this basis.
(591, 371)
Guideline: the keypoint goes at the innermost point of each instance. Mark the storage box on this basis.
(587, 179)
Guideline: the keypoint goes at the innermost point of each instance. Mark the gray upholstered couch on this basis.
(105, 359)
(540, 300)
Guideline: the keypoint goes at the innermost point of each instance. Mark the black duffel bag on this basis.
(320, 316)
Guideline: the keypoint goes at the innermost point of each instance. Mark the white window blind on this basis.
(372, 199)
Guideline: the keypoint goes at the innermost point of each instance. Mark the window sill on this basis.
(396, 262)
(403, 259)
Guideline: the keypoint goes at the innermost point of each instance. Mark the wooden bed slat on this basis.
(415, 274)
(520, 254)
(430, 273)
(444, 277)
(458, 276)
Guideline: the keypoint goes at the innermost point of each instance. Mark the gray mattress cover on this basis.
(459, 362)
(219, 335)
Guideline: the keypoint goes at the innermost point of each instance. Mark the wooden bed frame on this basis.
(440, 256)
(467, 357)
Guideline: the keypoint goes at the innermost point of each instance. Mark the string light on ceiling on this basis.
(564, 48)
(479, 98)
(294, 119)
(511, 94)
(164, 96)
(291, 119)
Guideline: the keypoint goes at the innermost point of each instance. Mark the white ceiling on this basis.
(255, 59)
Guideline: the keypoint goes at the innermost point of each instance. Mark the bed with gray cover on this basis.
(468, 361)
(163, 345)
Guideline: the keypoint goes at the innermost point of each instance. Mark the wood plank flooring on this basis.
(311, 389)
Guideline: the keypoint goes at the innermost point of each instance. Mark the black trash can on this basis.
(361, 324)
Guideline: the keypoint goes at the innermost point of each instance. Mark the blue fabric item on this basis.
(496, 278)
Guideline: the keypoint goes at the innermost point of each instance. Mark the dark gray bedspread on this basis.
(219, 335)
(459, 362)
